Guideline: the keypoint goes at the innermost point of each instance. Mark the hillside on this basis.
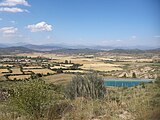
(60, 50)
(42, 47)
(134, 51)
(14, 50)
(76, 51)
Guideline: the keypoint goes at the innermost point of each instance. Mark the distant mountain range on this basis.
(20, 49)
(42, 47)
(31, 46)
(6, 49)
(50, 47)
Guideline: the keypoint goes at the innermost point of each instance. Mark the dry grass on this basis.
(58, 67)
(41, 71)
(58, 78)
(67, 65)
(19, 77)
(3, 70)
(32, 67)
(74, 71)
(101, 67)
(5, 65)
(16, 71)
(88, 63)
(135, 103)
(1, 75)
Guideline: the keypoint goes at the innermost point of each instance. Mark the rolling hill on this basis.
(14, 50)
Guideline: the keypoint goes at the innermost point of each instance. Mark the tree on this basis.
(9, 69)
(124, 76)
(66, 62)
(21, 68)
(134, 75)
(89, 86)
(59, 70)
(39, 75)
(75, 66)
(33, 75)
(48, 66)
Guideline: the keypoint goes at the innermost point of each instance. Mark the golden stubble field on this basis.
(21, 77)
(95, 63)
(16, 71)
(99, 66)
(1, 72)
(58, 78)
(41, 71)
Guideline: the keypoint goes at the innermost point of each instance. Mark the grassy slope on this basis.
(140, 103)
(121, 104)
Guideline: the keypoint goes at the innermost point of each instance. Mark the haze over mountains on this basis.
(49, 47)
(10, 49)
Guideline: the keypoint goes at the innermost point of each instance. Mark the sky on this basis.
(81, 22)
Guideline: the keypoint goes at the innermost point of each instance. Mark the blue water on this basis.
(126, 82)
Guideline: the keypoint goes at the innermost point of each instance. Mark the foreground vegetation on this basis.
(35, 100)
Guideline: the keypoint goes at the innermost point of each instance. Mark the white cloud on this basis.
(14, 3)
(9, 3)
(8, 30)
(13, 10)
(42, 26)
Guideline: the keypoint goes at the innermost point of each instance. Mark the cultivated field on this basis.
(16, 71)
(99, 66)
(41, 71)
(19, 77)
(108, 64)
(95, 63)
(58, 78)
(74, 71)
(32, 67)
(3, 70)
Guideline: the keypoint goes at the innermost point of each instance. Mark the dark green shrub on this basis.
(66, 61)
(39, 75)
(59, 70)
(158, 81)
(143, 85)
(134, 75)
(124, 76)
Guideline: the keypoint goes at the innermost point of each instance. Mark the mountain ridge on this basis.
(50, 47)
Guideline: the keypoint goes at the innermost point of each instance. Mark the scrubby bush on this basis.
(158, 81)
(31, 98)
(88, 86)
(134, 75)
(59, 70)
(66, 61)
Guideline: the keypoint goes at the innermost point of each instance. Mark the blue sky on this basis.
(85, 22)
